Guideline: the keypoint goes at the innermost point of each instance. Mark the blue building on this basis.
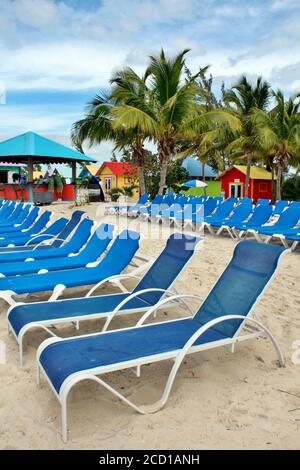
(194, 169)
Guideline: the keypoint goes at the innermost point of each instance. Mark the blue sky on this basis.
(56, 54)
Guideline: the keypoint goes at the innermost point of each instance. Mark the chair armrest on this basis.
(112, 279)
(163, 302)
(130, 297)
(49, 235)
(46, 242)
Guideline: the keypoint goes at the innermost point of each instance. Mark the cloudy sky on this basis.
(56, 54)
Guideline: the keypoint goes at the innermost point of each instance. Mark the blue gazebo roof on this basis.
(42, 150)
(194, 168)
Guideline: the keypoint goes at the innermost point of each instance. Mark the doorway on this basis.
(236, 190)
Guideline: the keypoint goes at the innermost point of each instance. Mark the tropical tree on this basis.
(97, 126)
(242, 99)
(167, 110)
(279, 133)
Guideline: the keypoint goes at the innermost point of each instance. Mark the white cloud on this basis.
(38, 14)
(60, 45)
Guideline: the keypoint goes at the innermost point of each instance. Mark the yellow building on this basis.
(117, 175)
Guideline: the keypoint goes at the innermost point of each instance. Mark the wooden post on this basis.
(74, 179)
(30, 178)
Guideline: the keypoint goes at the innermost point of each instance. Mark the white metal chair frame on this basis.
(177, 356)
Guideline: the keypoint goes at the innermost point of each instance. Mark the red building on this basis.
(233, 182)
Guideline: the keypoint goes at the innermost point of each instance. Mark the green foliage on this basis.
(114, 194)
(291, 188)
(181, 114)
(176, 176)
(129, 190)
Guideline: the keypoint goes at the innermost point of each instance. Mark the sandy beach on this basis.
(220, 400)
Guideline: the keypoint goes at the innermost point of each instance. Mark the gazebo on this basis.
(31, 148)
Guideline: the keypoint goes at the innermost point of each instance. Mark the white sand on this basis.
(220, 400)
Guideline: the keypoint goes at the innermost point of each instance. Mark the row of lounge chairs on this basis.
(222, 319)
(238, 218)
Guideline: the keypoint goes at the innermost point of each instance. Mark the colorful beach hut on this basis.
(233, 181)
(31, 148)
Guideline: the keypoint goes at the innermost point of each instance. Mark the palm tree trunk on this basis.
(249, 161)
(141, 177)
(272, 182)
(138, 156)
(278, 183)
(163, 175)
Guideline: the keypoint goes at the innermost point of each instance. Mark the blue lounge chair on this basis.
(287, 220)
(143, 199)
(263, 202)
(285, 236)
(221, 213)
(295, 239)
(246, 200)
(3, 208)
(155, 284)
(18, 220)
(199, 216)
(116, 260)
(57, 249)
(7, 209)
(13, 216)
(218, 322)
(240, 214)
(41, 241)
(27, 222)
(261, 215)
(21, 238)
(94, 248)
(280, 206)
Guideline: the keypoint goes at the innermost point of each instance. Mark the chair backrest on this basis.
(169, 264)
(238, 288)
(246, 200)
(98, 243)
(56, 227)
(80, 236)
(289, 217)
(280, 206)
(223, 210)
(40, 223)
(209, 206)
(22, 216)
(120, 253)
(53, 229)
(260, 216)
(240, 213)
(4, 208)
(17, 210)
(143, 199)
(69, 227)
(232, 199)
(263, 202)
(7, 210)
(32, 216)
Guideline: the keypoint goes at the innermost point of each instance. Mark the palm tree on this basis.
(97, 126)
(279, 133)
(242, 98)
(126, 85)
(167, 109)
